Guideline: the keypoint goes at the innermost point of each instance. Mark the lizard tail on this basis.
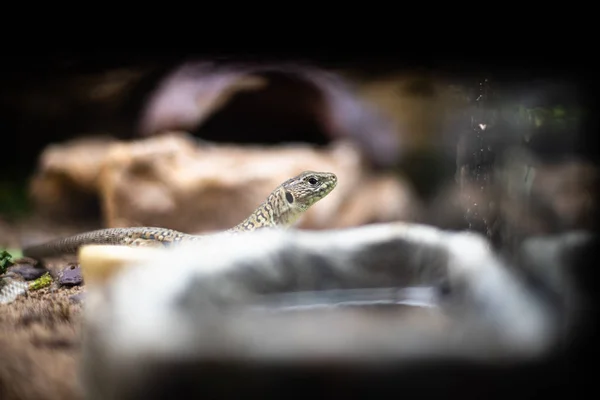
(110, 236)
(70, 245)
(10, 289)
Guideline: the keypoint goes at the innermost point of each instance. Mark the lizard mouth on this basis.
(330, 185)
(331, 181)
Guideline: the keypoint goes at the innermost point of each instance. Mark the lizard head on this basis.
(306, 189)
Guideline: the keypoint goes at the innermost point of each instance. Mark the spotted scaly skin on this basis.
(10, 289)
(281, 209)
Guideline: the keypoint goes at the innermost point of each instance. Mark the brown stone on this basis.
(171, 181)
(66, 177)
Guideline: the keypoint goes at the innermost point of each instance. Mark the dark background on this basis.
(26, 138)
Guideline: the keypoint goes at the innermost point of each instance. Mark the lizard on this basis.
(282, 208)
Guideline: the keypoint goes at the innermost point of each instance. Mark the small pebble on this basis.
(27, 271)
(70, 276)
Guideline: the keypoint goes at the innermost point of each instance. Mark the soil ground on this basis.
(40, 332)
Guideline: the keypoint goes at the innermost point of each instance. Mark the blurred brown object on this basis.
(527, 197)
(537, 198)
(417, 106)
(571, 191)
(172, 181)
(8, 237)
(66, 181)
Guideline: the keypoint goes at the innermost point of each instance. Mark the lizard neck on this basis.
(275, 211)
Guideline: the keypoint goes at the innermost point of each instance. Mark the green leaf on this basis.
(41, 282)
(5, 260)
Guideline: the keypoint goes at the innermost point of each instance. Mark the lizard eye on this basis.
(312, 181)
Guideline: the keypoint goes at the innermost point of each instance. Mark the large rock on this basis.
(173, 181)
(65, 184)
(189, 318)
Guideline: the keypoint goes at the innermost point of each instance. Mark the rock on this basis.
(177, 313)
(28, 271)
(172, 181)
(65, 184)
(70, 276)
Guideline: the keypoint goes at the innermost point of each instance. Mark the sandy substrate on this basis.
(40, 346)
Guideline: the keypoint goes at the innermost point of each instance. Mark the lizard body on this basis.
(282, 208)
